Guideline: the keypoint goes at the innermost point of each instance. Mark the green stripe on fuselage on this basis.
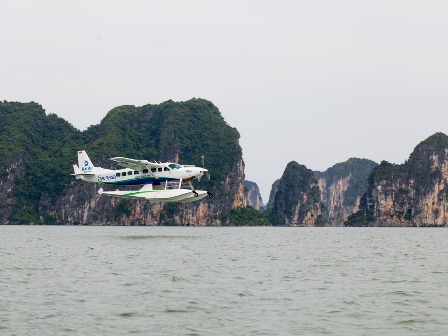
(143, 192)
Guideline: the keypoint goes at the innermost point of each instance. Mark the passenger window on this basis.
(153, 170)
(166, 169)
(130, 173)
(160, 169)
(117, 174)
(145, 171)
(136, 172)
(123, 174)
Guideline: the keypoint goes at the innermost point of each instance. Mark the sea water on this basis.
(66, 280)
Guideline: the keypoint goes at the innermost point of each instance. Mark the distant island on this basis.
(37, 152)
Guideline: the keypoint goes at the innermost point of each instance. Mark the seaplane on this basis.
(151, 181)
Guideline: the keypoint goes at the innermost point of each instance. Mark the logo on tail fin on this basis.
(86, 167)
(84, 162)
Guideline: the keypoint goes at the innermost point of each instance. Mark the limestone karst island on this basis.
(37, 151)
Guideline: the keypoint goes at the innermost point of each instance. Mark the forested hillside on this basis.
(37, 152)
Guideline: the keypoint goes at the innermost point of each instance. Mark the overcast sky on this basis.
(313, 81)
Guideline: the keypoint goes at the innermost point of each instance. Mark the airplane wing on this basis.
(135, 164)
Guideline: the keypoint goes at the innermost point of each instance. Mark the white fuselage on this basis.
(128, 176)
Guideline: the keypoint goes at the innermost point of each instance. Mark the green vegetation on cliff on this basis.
(438, 140)
(359, 218)
(247, 216)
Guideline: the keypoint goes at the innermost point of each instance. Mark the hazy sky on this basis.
(313, 81)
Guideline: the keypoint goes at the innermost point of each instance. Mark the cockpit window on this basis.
(174, 166)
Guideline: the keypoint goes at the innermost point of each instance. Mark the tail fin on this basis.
(84, 163)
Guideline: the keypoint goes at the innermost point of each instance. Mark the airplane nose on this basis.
(206, 173)
(201, 172)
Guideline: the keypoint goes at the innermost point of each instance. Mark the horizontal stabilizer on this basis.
(79, 173)
(76, 170)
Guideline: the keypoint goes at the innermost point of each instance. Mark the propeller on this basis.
(207, 175)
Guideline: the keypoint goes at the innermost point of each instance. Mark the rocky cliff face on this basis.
(341, 188)
(36, 186)
(11, 172)
(274, 189)
(253, 195)
(297, 200)
(412, 194)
